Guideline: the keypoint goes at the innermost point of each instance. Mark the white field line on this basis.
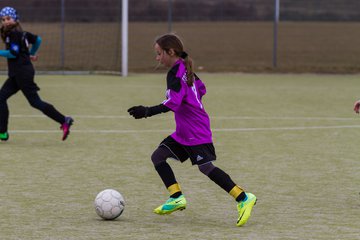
(171, 130)
(211, 117)
(74, 116)
(112, 131)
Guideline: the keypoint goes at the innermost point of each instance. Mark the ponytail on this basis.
(189, 68)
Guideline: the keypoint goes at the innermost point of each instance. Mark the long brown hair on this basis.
(171, 41)
(4, 31)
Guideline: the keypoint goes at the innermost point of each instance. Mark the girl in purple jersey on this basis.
(192, 137)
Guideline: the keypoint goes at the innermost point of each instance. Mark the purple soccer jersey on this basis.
(192, 122)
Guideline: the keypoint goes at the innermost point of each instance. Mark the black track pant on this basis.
(11, 87)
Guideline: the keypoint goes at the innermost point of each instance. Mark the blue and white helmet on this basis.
(9, 11)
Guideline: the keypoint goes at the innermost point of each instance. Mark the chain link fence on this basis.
(220, 35)
(78, 35)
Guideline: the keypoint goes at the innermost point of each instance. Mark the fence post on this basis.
(169, 16)
(62, 38)
(276, 23)
(124, 34)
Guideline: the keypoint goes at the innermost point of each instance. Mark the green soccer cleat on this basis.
(244, 209)
(4, 136)
(171, 205)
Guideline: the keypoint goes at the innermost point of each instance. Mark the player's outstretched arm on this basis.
(357, 106)
(6, 54)
(143, 112)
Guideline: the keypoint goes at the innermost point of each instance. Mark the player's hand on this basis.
(34, 58)
(138, 112)
(357, 106)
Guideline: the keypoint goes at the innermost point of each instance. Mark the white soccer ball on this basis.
(109, 204)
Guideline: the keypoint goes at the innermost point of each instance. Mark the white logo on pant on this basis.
(199, 158)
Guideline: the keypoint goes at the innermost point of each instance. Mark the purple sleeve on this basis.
(174, 99)
(201, 88)
(175, 90)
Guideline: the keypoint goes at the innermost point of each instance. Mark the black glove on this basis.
(138, 112)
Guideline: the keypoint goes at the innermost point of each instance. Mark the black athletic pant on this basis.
(29, 89)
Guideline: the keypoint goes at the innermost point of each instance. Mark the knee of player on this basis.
(38, 104)
(158, 157)
(206, 168)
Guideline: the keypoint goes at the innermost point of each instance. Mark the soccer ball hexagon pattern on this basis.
(109, 204)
